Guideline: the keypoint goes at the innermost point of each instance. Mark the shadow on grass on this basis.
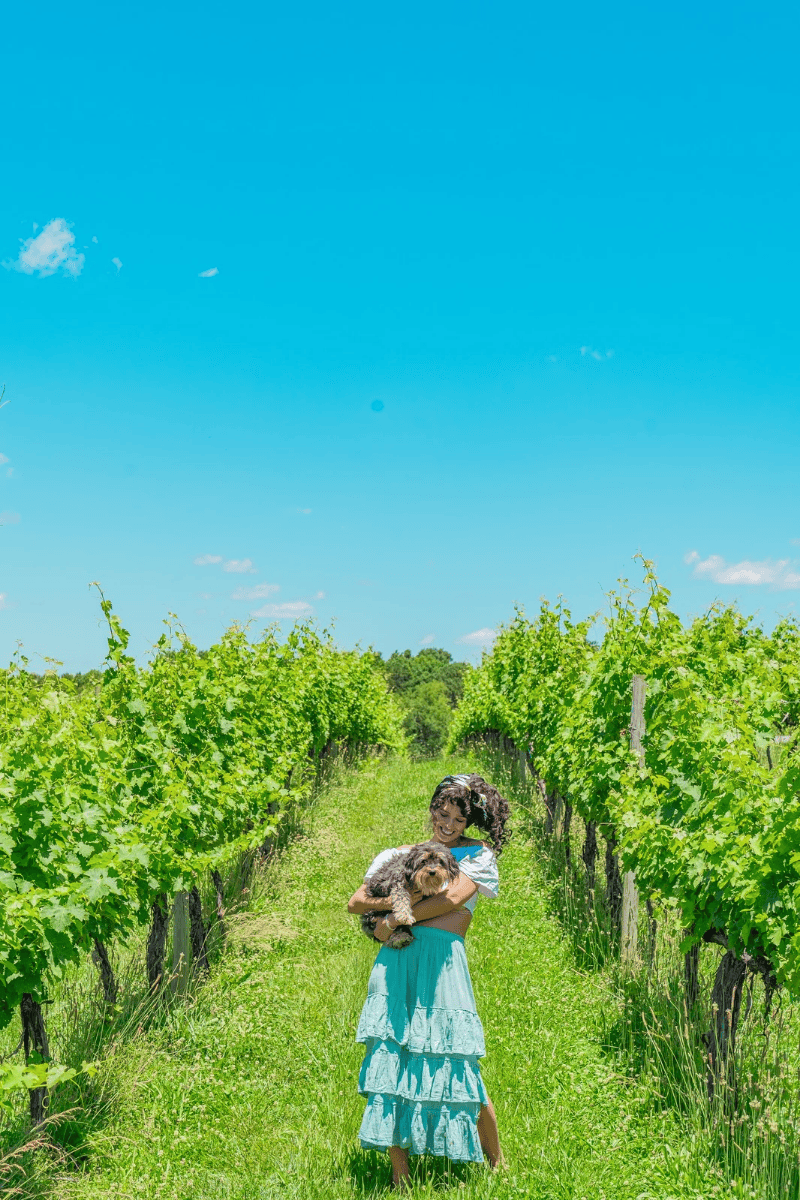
(369, 1172)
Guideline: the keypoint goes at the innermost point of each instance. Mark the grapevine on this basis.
(709, 821)
(115, 798)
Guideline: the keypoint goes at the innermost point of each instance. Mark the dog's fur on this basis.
(425, 868)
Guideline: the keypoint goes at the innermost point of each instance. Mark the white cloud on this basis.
(319, 595)
(478, 637)
(428, 640)
(3, 459)
(234, 566)
(259, 592)
(291, 610)
(239, 566)
(305, 511)
(777, 573)
(601, 357)
(210, 273)
(94, 239)
(3, 599)
(52, 250)
(9, 518)
(117, 264)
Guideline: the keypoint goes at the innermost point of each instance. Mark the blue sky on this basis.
(558, 247)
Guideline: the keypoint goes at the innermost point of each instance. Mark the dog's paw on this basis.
(399, 938)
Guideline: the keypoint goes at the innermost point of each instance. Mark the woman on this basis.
(423, 1036)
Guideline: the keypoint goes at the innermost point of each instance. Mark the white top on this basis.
(477, 862)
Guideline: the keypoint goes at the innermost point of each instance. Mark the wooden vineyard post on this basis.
(630, 895)
(558, 815)
(181, 944)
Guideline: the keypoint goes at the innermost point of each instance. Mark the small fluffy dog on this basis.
(426, 868)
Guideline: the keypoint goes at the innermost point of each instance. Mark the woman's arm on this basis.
(360, 902)
(460, 891)
(456, 896)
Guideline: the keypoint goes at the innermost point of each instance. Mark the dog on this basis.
(427, 868)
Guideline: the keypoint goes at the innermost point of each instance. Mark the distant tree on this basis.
(81, 680)
(428, 714)
(66, 681)
(405, 671)
(428, 686)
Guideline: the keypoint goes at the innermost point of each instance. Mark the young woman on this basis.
(423, 1036)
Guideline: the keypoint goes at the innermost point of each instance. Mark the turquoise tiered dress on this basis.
(423, 1037)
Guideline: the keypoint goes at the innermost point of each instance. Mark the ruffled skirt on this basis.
(423, 1039)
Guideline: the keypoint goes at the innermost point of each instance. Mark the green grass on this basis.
(249, 1092)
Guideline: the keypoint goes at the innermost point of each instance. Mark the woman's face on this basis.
(448, 823)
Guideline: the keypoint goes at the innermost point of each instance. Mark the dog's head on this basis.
(430, 867)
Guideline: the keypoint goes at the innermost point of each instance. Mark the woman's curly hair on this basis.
(480, 804)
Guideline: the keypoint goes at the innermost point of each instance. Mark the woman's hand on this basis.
(384, 926)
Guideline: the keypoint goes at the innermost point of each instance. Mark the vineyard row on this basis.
(677, 744)
(118, 798)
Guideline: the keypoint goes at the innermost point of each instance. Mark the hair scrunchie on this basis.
(463, 781)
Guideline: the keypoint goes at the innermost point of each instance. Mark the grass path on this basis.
(250, 1093)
